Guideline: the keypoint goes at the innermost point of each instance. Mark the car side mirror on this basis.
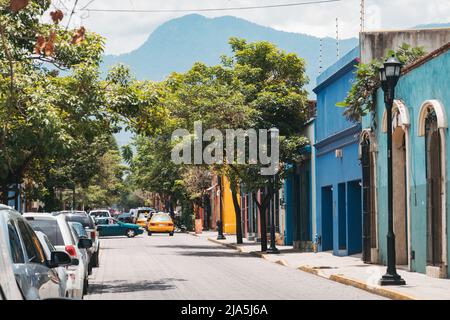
(75, 262)
(84, 243)
(60, 259)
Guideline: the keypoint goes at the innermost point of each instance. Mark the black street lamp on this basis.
(220, 235)
(272, 249)
(389, 76)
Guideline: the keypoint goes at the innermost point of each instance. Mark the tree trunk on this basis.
(263, 224)
(73, 198)
(237, 211)
(263, 207)
(5, 193)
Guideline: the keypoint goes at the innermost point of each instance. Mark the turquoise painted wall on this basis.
(430, 81)
(289, 238)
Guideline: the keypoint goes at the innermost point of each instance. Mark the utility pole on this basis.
(320, 55)
(363, 14)
(337, 39)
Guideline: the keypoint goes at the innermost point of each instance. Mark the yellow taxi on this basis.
(142, 220)
(160, 223)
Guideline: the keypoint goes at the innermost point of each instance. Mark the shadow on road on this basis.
(123, 286)
(188, 247)
(227, 253)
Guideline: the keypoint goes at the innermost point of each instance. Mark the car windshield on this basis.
(161, 218)
(100, 214)
(83, 219)
(108, 221)
(50, 228)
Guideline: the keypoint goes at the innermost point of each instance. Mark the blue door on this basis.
(327, 219)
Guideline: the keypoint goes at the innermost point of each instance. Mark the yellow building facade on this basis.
(229, 216)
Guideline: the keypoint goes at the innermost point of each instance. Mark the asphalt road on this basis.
(187, 267)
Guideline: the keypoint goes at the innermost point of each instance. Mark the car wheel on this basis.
(95, 260)
(85, 286)
(90, 268)
(131, 233)
(171, 234)
(149, 233)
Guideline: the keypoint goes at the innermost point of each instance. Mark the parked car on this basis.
(99, 214)
(36, 275)
(161, 223)
(78, 232)
(113, 227)
(9, 288)
(125, 217)
(62, 271)
(142, 220)
(59, 232)
(147, 212)
(89, 224)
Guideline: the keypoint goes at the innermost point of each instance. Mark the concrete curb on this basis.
(253, 253)
(192, 233)
(387, 293)
(228, 245)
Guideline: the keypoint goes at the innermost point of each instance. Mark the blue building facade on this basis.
(299, 196)
(337, 166)
(15, 197)
(420, 167)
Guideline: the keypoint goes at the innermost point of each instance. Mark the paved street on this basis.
(188, 267)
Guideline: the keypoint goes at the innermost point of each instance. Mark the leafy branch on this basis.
(359, 102)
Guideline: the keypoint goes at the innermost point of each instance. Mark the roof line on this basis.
(426, 58)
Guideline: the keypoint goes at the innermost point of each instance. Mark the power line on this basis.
(295, 4)
(87, 5)
(72, 13)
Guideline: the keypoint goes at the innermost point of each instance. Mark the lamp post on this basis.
(389, 75)
(220, 235)
(273, 249)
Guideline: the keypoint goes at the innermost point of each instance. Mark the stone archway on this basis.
(433, 125)
(401, 171)
(367, 155)
(400, 195)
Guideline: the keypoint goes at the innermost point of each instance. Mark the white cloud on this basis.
(127, 31)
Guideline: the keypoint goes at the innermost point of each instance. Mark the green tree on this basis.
(273, 83)
(360, 101)
(41, 114)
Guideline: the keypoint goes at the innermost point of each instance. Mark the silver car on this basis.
(78, 232)
(9, 289)
(36, 275)
(91, 229)
(60, 234)
(48, 247)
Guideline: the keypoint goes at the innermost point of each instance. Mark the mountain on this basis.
(433, 26)
(178, 43)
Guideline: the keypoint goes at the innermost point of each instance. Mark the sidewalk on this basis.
(347, 270)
